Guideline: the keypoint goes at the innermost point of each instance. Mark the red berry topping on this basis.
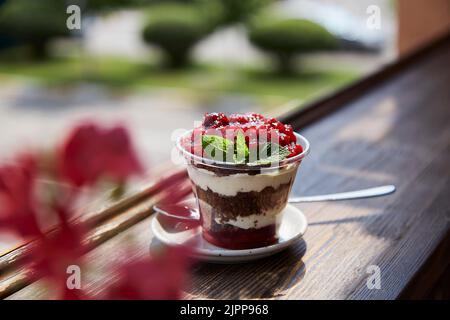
(215, 120)
(255, 125)
(238, 118)
(295, 149)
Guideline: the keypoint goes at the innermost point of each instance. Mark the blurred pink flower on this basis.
(91, 152)
(73, 294)
(159, 277)
(59, 248)
(121, 160)
(18, 205)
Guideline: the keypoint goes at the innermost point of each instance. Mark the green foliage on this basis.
(240, 10)
(28, 19)
(219, 12)
(98, 6)
(292, 36)
(34, 22)
(269, 90)
(271, 152)
(165, 1)
(242, 152)
(175, 28)
(286, 38)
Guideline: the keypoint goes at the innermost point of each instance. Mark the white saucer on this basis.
(293, 226)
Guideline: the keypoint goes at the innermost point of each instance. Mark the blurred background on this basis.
(159, 65)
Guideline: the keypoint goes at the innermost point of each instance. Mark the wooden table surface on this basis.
(396, 132)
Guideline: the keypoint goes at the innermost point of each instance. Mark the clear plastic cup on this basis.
(240, 205)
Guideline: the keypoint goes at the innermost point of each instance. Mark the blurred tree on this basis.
(34, 22)
(176, 28)
(98, 6)
(221, 12)
(285, 38)
(240, 10)
(165, 1)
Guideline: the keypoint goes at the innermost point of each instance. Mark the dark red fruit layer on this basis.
(234, 238)
(284, 132)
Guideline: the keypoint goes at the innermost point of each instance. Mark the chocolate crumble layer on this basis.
(225, 208)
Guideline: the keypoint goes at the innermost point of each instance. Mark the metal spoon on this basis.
(187, 213)
(357, 194)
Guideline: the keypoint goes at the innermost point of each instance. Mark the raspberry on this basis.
(215, 120)
(273, 135)
(295, 150)
(253, 125)
(257, 117)
(274, 123)
(284, 139)
(290, 133)
(239, 118)
(247, 118)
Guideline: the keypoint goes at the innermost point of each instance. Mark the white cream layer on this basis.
(255, 221)
(241, 182)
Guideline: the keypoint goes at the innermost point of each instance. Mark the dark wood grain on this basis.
(396, 132)
(103, 213)
(333, 101)
(432, 281)
(102, 225)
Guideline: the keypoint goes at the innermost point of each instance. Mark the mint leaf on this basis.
(221, 149)
(271, 152)
(272, 149)
(242, 151)
(283, 153)
(217, 148)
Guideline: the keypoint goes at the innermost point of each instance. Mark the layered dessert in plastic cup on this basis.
(242, 168)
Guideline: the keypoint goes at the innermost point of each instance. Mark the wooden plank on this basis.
(99, 233)
(333, 101)
(105, 210)
(388, 136)
(398, 134)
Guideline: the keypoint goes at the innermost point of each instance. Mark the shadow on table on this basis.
(264, 278)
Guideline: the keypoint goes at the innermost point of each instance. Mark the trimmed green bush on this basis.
(34, 22)
(100, 6)
(240, 10)
(284, 39)
(175, 28)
